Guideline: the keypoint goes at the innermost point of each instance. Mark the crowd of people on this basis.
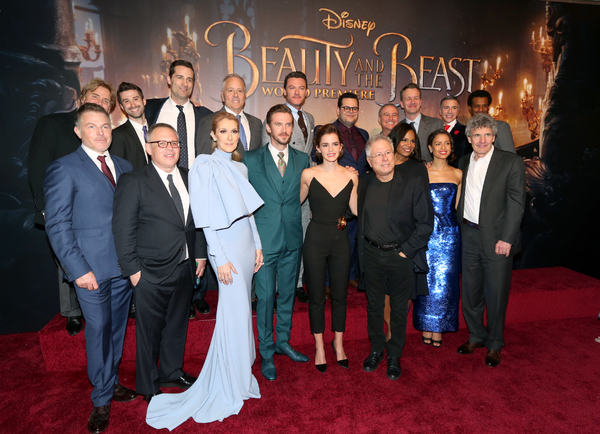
(178, 200)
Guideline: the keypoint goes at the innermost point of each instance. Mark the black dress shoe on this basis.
(202, 306)
(302, 295)
(183, 382)
(74, 325)
(267, 369)
(492, 359)
(469, 347)
(123, 394)
(99, 419)
(393, 370)
(148, 398)
(342, 363)
(372, 362)
(192, 314)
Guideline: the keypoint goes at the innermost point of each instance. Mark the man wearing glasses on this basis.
(395, 220)
(157, 244)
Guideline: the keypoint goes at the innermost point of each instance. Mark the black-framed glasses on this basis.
(350, 109)
(164, 143)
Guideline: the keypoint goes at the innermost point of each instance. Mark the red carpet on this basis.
(547, 382)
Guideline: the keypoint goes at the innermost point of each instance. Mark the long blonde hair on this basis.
(235, 156)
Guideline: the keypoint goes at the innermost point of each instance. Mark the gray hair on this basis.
(375, 139)
(232, 75)
(389, 104)
(449, 98)
(481, 121)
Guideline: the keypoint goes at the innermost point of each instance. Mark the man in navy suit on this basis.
(449, 111)
(78, 191)
(354, 156)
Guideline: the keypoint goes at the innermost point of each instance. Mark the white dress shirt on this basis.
(416, 122)
(140, 133)
(94, 156)
(168, 115)
(451, 125)
(475, 179)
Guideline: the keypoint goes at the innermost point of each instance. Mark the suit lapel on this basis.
(290, 169)
(94, 172)
(158, 187)
(495, 163)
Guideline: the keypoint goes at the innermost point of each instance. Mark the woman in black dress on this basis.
(331, 189)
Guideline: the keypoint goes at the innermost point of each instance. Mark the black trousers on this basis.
(326, 246)
(387, 272)
(161, 328)
(485, 285)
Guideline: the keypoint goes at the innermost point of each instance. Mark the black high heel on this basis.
(321, 368)
(342, 363)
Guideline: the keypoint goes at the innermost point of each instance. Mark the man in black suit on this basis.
(233, 96)
(395, 220)
(490, 211)
(181, 114)
(156, 243)
(129, 139)
(54, 137)
(449, 111)
(479, 102)
(410, 101)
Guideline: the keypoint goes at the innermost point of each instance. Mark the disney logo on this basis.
(336, 21)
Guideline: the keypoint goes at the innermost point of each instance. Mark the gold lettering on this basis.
(265, 62)
(331, 23)
(458, 74)
(377, 78)
(395, 62)
(286, 55)
(358, 64)
(342, 66)
(422, 69)
(441, 64)
(267, 91)
(469, 88)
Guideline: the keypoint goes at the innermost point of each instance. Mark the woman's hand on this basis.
(224, 273)
(258, 261)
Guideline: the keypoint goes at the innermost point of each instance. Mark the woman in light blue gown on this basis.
(222, 202)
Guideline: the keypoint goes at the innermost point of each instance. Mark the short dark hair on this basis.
(410, 85)
(181, 62)
(124, 87)
(442, 131)
(389, 104)
(295, 74)
(449, 98)
(345, 95)
(398, 133)
(89, 107)
(278, 108)
(160, 125)
(322, 131)
(480, 93)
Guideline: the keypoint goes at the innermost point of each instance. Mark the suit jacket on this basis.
(297, 141)
(427, 126)
(126, 144)
(79, 210)
(54, 137)
(461, 144)
(149, 233)
(362, 165)
(279, 220)
(204, 141)
(409, 214)
(504, 138)
(154, 106)
(502, 201)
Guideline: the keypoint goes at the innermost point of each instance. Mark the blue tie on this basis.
(243, 134)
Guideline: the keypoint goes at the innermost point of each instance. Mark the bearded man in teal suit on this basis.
(274, 171)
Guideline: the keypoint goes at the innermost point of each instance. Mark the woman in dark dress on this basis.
(331, 189)
(438, 312)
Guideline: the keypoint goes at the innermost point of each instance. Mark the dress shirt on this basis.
(416, 122)
(295, 114)
(140, 133)
(475, 179)
(347, 133)
(451, 125)
(183, 193)
(94, 156)
(275, 152)
(245, 123)
(168, 115)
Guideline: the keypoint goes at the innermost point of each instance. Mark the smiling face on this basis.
(388, 119)
(411, 103)
(406, 146)
(482, 140)
(182, 84)
(295, 92)
(330, 147)
(381, 159)
(94, 131)
(449, 111)
(441, 147)
(165, 158)
(100, 96)
(233, 95)
(350, 116)
(479, 105)
(132, 104)
(226, 135)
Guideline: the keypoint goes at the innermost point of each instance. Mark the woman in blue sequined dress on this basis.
(437, 312)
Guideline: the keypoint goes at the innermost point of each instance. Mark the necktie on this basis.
(412, 124)
(243, 134)
(447, 127)
(176, 198)
(182, 133)
(302, 125)
(145, 130)
(106, 170)
(281, 164)
(353, 145)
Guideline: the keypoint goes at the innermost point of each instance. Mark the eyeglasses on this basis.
(164, 143)
(350, 109)
(380, 155)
